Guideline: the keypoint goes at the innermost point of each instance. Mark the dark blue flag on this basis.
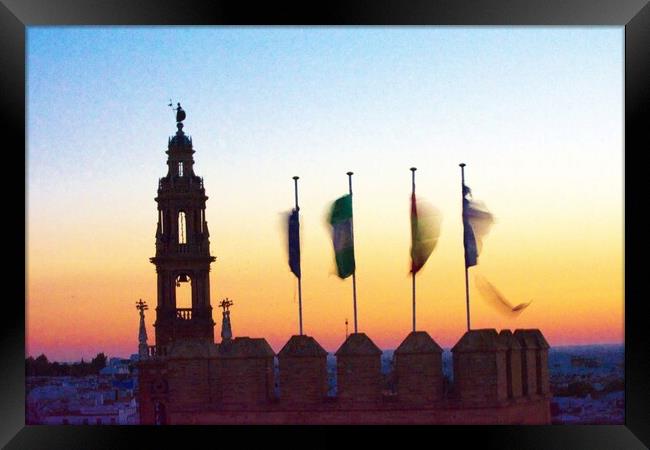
(477, 221)
(294, 243)
(471, 253)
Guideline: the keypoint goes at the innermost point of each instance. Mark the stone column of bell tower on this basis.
(182, 246)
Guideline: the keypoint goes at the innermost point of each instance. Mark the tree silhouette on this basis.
(41, 367)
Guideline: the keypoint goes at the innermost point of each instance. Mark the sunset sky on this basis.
(536, 113)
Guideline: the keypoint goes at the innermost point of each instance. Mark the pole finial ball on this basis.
(350, 173)
(462, 164)
(295, 177)
(413, 169)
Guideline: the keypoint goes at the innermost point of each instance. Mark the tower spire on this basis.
(182, 247)
(143, 348)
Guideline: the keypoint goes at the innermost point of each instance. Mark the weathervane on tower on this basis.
(180, 114)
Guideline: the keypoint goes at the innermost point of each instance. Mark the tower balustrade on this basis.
(184, 313)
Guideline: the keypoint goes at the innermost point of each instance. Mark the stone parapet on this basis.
(418, 370)
(513, 363)
(244, 373)
(234, 382)
(536, 367)
(529, 347)
(303, 371)
(358, 371)
(480, 368)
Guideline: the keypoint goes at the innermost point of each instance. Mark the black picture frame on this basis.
(634, 15)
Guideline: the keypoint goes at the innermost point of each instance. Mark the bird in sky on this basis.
(496, 298)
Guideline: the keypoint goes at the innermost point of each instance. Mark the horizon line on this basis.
(446, 349)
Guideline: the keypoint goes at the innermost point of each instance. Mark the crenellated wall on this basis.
(480, 368)
(418, 370)
(303, 372)
(528, 344)
(513, 364)
(499, 378)
(358, 372)
(243, 373)
(536, 348)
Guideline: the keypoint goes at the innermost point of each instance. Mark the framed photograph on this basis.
(394, 216)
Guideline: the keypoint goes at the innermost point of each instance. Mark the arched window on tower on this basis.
(184, 291)
(182, 228)
(180, 169)
(202, 219)
(162, 221)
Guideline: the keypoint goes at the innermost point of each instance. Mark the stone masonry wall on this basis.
(303, 380)
(533, 412)
(234, 383)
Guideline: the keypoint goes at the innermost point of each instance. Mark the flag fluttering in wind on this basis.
(294, 242)
(341, 221)
(496, 298)
(425, 230)
(477, 221)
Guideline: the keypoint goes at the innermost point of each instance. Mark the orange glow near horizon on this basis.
(574, 283)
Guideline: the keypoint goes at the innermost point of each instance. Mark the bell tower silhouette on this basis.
(182, 246)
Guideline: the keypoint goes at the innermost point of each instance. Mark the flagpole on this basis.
(354, 274)
(413, 169)
(462, 189)
(295, 184)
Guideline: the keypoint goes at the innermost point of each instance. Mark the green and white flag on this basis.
(341, 221)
